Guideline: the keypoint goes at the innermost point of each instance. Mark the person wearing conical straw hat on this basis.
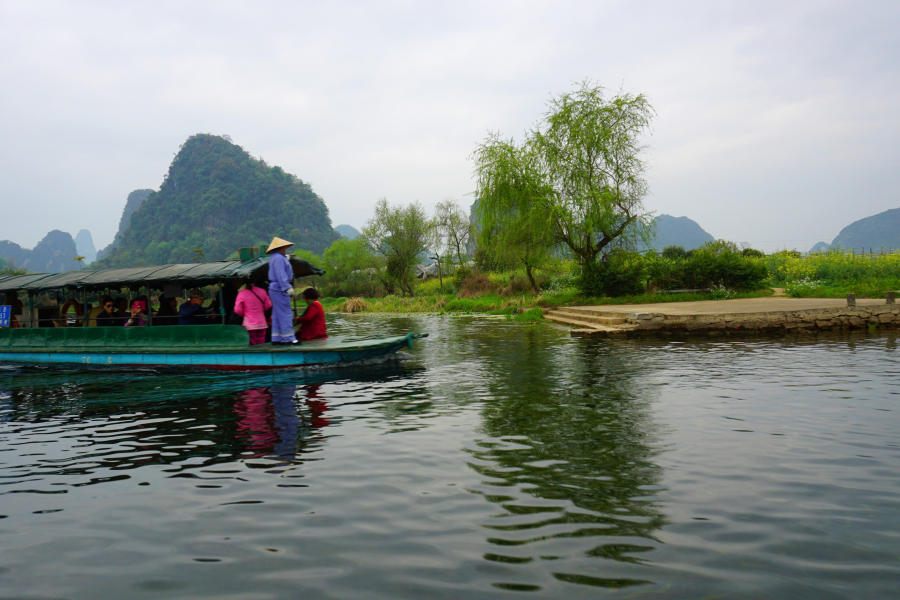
(281, 290)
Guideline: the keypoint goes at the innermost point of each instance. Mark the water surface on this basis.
(493, 460)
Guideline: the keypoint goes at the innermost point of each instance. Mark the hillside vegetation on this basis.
(217, 198)
(875, 232)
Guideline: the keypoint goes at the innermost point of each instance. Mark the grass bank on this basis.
(525, 306)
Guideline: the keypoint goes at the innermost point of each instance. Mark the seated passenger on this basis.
(95, 312)
(312, 321)
(107, 317)
(252, 304)
(168, 311)
(138, 313)
(123, 310)
(193, 313)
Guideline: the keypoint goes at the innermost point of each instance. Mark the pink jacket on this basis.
(252, 304)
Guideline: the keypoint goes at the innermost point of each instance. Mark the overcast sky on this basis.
(777, 121)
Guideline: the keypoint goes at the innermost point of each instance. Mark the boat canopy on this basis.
(190, 275)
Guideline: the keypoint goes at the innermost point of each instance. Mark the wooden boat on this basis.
(223, 347)
(216, 346)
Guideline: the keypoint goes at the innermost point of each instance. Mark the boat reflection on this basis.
(277, 420)
(125, 421)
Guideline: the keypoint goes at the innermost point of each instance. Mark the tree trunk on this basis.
(534, 284)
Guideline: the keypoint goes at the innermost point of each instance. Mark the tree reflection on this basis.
(570, 457)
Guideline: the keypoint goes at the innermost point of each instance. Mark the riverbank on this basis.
(516, 305)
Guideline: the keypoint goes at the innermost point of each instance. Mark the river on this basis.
(495, 459)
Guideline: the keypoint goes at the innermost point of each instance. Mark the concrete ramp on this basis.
(769, 313)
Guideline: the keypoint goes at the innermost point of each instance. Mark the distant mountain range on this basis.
(348, 231)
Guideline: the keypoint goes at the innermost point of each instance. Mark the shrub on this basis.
(461, 274)
(621, 275)
(475, 285)
(665, 273)
(560, 282)
(805, 288)
(432, 286)
(753, 253)
(353, 305)
(517, 285)
(671, 252)
(712, 266)
(719, 246)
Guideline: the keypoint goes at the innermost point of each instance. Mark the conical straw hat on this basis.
(278, 243)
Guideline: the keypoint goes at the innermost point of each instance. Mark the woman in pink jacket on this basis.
(252, 303)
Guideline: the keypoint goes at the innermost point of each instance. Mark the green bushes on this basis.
(673, 252)
(713, 265)
(460, 276)
(622, 274)
(708, 267)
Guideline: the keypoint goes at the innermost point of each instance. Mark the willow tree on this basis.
(513, 227)
(577, 180)
(399, 234)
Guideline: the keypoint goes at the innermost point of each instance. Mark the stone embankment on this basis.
(727, 316)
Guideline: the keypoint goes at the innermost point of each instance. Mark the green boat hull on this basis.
(225, 347)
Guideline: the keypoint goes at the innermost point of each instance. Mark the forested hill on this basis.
(872, 233)
(218, 198)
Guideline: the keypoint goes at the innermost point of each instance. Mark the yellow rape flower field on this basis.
(835, 273)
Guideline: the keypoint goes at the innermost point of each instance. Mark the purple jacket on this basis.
(280, 273)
